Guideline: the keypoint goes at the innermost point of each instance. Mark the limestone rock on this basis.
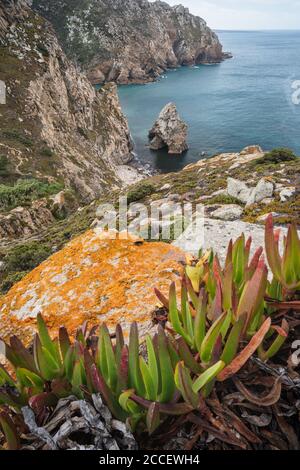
(169, 131)
(239, 190)
(216, 234)
(286, 194)
(251, 150)
(263, 218)
(263, 190)
(93, 278)
(228, 212)
(130, 41)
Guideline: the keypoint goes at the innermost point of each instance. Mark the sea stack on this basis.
(169, 131)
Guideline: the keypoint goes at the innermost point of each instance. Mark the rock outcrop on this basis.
(169, 131)
(130, 41)
(55, 125)
(24, 221)
(93, 279)
(247, 195)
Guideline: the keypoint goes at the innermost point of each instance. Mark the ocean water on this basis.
(242, 101)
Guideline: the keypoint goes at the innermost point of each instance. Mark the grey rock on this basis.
(165, 187)
(228, 212)
(169, 131)
(239, 190)
(263, 190)
(174, 197)
(286, 194)
(216, 234)
(263, 218)
(251, 149)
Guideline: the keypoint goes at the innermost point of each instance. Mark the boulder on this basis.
(239, 190)
(95, 279)
(286, 194)
(263, 190)
(252, 150)
(169, 131)
(228, 212)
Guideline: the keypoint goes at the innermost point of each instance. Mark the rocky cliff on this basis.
(130, 40)
(55, 126)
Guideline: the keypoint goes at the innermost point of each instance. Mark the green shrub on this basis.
(11, 280)
(47, 152)
(25, 191)
(140, 192)
(3, 166)
(224, 199)
(26, 257)
(13, 134)
(279, 155)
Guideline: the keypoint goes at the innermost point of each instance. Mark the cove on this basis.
(242, 101)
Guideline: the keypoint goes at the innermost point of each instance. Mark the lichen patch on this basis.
(92, 279)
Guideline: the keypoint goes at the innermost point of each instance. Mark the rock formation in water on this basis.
(130, 41)
(169, 131)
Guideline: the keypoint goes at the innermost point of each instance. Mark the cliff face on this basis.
(130, 40)
(55, 126)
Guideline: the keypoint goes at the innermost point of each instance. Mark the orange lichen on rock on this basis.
(93, 279)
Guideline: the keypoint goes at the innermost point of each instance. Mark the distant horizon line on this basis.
(255, 30)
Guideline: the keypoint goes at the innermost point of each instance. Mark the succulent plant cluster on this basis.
(222, 317)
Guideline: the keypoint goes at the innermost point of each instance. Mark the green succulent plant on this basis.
(223, 317)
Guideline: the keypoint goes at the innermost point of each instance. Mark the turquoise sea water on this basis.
(245, 100)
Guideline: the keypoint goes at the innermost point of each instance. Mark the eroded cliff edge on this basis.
(55, 126)
(130, 41)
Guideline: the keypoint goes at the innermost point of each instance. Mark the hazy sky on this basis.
(246, 14)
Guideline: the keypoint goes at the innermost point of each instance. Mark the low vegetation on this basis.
(24, 192)
(15, 135)
(280, 155)
(224, 317)
(4, 172)
(140, 191)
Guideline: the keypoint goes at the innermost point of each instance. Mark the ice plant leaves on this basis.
(219, 310)
(10, 432)
(135, 375)
(268, 400)
(253, 293)
(286, 269)
(185, 385)
(208, 376)
(243, 356)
